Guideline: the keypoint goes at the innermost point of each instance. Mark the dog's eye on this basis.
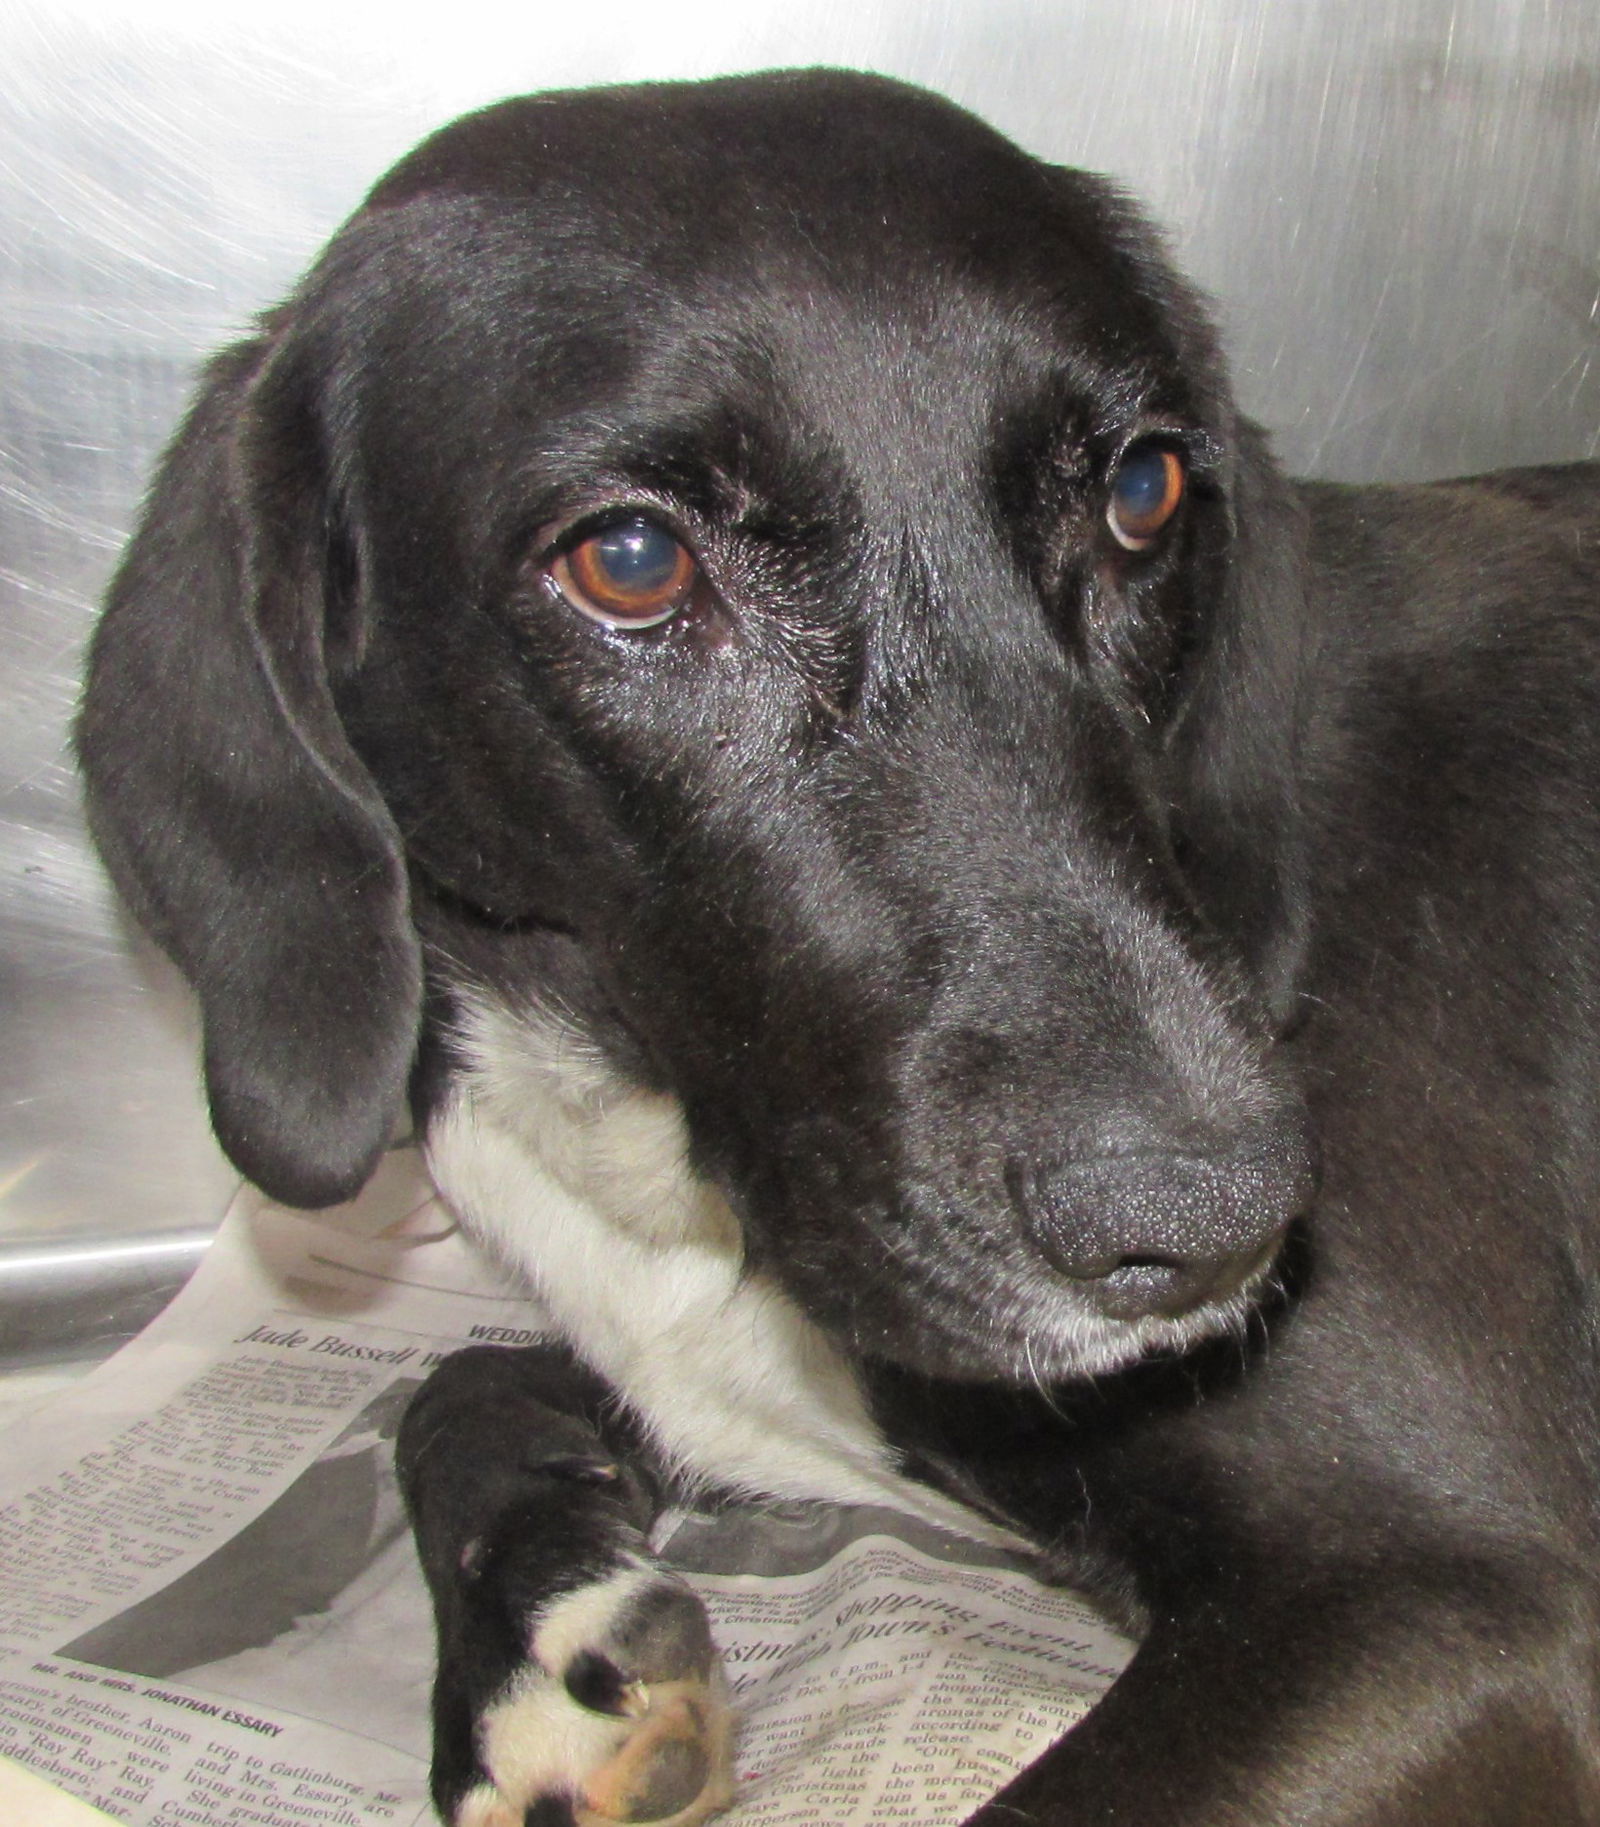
(633, 575)
(1145, 492)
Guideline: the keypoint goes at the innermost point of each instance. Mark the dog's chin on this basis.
(1049, 1334)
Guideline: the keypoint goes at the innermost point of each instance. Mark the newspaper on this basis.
(211, 1611)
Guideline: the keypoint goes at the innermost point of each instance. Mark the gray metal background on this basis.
(1397, 203)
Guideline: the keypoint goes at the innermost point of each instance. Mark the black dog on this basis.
(732, 638)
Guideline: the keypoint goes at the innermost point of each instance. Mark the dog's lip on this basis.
(1031, 1326)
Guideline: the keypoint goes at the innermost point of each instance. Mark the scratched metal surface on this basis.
(1396, 201)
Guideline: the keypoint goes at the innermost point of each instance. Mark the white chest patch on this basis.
(582, 1184)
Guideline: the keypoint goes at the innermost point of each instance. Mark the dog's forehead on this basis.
(860, 264)
(784, 184)
(722, 152)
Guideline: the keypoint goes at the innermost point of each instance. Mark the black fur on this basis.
(1018, 919)
(516, 1500)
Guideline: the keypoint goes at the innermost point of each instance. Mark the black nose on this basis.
(1161, 1233)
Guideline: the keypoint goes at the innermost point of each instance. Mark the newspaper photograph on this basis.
(212, 1613)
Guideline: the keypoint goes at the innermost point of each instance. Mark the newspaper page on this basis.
(211, 1611)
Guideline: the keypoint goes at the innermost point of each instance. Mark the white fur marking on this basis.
(539, 1741)
(484, 1806)
(582, 1619)
(582, 1184)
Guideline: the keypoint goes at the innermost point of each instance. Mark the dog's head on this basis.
(798, 548)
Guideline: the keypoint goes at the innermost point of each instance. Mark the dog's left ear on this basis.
(1235, 745)
(235, 817)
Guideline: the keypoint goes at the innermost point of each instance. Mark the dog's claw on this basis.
(621, 1719)
(673, 1767)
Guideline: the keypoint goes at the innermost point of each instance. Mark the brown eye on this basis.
(1145, 492)
(633, 575)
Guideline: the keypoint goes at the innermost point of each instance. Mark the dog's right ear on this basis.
(230, 808)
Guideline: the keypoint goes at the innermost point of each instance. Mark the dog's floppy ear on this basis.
(1236, 744)
(235, 818)
(1233, 748)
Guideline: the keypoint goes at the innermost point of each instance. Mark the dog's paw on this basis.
(577, 1679)
(617, 1714)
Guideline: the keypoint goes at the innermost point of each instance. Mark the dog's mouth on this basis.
(1048, 1279)
(1028, 1324)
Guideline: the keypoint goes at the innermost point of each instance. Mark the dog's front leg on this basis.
(1405, 1688)
(577, 1680)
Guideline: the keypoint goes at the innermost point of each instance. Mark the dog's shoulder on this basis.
(1481, 591)
(1451, 748)
(1474, 541)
